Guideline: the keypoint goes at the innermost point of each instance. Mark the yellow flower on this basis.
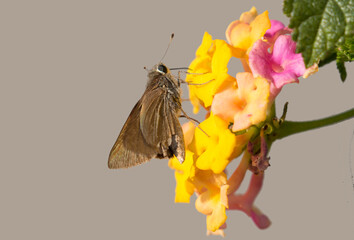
(184, 172)
(244, 103)
(217, 146)
(208, 71)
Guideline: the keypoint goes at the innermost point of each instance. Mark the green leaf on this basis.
(345, 53)
(342, 70)
(320, 26)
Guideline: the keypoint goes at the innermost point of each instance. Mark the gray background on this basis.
(71, 71)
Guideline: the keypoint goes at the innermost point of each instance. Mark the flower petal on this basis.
(217, 218)
(248, 17)
(259, 27)
(276, 26)
(188, 132)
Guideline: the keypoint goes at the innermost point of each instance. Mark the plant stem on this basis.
(288, 128)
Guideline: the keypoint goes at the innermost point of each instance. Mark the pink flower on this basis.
(279, 67)
(277, 28)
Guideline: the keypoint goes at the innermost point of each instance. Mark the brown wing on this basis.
(131, 149)
(159, 123)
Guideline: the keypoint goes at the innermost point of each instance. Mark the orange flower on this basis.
(212, 200)
(243, 33)
(244, 103)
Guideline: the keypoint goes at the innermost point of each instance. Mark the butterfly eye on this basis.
(162, 68)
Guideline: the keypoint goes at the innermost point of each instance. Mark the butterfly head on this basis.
(161, 68)
(161, 73)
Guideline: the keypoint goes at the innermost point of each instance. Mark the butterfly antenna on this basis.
(172, 35)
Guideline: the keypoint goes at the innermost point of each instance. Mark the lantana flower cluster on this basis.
(237, 107)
